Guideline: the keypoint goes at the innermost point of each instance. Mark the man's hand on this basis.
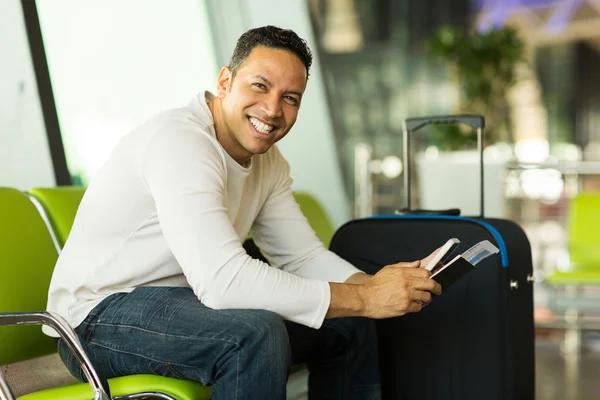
(392, 292)
(398, 289)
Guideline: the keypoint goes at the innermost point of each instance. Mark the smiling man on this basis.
(258, 100)
(154, 275)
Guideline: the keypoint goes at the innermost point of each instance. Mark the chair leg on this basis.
(5, 391)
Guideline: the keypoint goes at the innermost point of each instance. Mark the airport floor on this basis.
(564, 375)
(560, 375)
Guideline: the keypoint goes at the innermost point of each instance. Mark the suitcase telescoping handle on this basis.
(412, 125)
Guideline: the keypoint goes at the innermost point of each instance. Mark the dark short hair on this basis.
(273, 37)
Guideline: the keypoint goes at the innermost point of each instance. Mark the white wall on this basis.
(115, 63)
(310, 146)
(24, 155)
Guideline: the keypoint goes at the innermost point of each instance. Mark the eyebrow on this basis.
(269, 83)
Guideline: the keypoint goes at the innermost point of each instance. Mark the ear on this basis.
(223, 81)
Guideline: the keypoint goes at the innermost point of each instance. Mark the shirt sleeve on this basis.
(185, 174)
(285, 237)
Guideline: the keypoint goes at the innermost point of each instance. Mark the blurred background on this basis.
(77, 75)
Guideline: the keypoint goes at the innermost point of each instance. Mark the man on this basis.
(154, 276)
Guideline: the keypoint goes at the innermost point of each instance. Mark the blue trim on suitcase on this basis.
(489, 227)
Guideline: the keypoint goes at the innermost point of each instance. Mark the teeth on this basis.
(262, 128)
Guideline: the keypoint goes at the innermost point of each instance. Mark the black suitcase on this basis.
(476, 340)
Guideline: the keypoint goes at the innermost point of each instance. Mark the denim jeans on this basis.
(241, 353)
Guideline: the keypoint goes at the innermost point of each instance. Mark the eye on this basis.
(291, 100)
(259, 86)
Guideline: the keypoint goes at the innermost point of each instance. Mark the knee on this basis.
(70, 360)
(265, 335)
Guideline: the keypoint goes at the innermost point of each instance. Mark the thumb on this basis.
(414, 264)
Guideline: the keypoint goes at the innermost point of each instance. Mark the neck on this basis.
(226, 138)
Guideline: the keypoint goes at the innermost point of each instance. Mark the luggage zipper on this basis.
(489, 227)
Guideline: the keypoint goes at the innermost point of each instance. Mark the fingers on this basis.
(426, 260)
(437, 289)
(411, 277)
(407, 269)
(429, 285)
(420, 300)
(418, 273)
(415, 307)
(413, 264)
(410, 268)
(421, 297)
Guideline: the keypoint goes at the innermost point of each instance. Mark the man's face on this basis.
(261, 103)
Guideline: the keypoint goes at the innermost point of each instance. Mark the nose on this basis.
(272, 106)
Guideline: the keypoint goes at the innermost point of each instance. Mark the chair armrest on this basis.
(67, 333)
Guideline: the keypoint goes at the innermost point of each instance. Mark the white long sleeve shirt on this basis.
(172, 208)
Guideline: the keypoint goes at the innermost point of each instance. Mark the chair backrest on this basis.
(60, 204)
(317, 216)
(27, 259)
(584, 230)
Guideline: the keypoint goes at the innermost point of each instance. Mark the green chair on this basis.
(317, 219)
(59, 206)
(317, 216)
(584, 243)
(27, 258)
(584, 270)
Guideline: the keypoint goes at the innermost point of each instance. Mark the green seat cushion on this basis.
(180, 389)
(60, 204)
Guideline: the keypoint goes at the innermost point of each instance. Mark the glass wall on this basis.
(378, 75)
(114, 64)
(24, 156)
(542, 128)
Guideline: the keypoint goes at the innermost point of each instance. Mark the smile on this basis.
(261, 126)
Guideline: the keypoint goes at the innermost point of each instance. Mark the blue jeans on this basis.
(242, 353)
